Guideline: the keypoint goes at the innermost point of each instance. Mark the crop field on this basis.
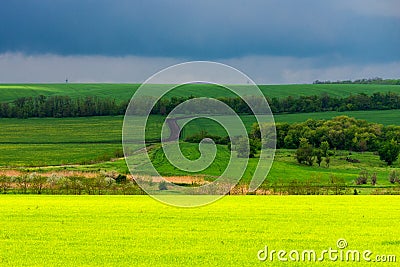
(9, 92)
(139, 231)
(50, 141)
(120, 92)
(30, 155)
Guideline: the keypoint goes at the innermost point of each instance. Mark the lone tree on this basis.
(247, 149)
(389, 152)
(305, 152)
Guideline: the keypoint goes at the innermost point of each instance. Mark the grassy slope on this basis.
(9, 92)
(285, 168)
(137, 230)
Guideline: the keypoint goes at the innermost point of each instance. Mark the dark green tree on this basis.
(389, 151)
(305, 153)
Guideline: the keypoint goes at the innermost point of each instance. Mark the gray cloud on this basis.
(203, 30)
(17, 67)
(385, 8)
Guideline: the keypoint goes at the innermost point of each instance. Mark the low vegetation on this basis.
(109, 183)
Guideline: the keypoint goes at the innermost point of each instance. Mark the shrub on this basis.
(162, 185)
(37, 182)
(120, 179)
(328, 161)
(5, 183)
(394, 177)
(362, 178)
(373, 179)
(319, 154)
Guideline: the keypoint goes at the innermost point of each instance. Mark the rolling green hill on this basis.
(120, 92)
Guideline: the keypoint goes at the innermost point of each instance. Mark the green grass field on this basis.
(42, 142)
(285, 167)
(9, 92)
(139, 231)
(50, 141)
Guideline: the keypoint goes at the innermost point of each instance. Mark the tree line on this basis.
(65, 106)
(291, 104)
(313, 138)
(61, 106)
(376, 80)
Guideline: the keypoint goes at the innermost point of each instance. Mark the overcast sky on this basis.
(272, 41)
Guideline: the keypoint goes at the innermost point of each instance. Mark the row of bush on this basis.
(101, 184)
(104, 184)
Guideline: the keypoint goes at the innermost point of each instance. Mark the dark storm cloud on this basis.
(202, 29)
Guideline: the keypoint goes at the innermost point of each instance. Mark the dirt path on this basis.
(174, 128)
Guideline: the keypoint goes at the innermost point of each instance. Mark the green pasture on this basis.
(139, 231)
(104, 129)
(284, 168)
(31, 155)
(120, 92)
